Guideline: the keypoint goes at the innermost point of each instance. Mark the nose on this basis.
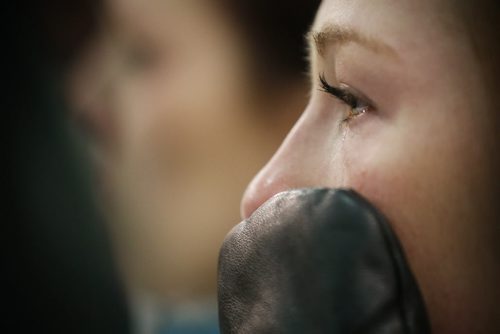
(308, 157)
(88, 92)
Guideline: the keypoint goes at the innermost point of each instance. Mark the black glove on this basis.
(317, 261)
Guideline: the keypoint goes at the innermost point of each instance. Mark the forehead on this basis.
(403, 25)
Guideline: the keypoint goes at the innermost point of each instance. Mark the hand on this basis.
(317, 261)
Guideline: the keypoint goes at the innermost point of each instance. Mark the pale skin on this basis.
(419, 147)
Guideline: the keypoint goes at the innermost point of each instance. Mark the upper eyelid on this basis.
(339, 93)
(354, 93)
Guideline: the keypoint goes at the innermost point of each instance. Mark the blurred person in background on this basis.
(182, 102)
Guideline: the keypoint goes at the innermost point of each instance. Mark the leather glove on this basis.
(317, 261)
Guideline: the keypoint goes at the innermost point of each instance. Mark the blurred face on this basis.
(399, 112)
(180, 132)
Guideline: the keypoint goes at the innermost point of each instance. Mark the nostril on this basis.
(250, 202)
(259, 191)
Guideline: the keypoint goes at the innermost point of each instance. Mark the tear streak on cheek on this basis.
(341, 160)
(366, 172)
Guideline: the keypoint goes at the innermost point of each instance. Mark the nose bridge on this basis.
(303, 160)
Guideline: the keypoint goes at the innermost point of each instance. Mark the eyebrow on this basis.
(335, 34)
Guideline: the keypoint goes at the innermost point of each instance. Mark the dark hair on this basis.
(482, 20)
(276, 31)
(64, 27)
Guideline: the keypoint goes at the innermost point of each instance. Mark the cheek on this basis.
(391, 173)
(391, 190)
(428, 179)
(377, 172)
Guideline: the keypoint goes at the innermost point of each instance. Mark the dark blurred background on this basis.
(61, 277)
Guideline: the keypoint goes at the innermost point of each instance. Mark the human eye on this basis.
(358, 105)
(139, 57)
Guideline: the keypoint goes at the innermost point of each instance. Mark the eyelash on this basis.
(357, 105)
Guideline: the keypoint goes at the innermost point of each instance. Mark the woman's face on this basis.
(410, 133)
(175, 117)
